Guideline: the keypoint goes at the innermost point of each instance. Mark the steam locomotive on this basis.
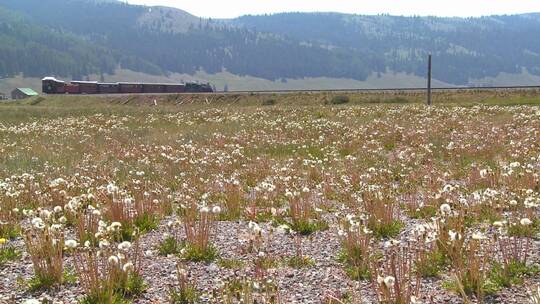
(52, 85)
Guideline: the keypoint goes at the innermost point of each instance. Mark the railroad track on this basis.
(436, 89)
(387, 90)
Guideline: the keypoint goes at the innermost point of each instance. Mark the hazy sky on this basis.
(463, 8)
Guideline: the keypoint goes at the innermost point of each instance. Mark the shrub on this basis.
(269, 102)
(340, 99)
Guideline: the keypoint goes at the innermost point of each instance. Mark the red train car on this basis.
(153, 88)
(71, 89)
(126, 87)
(108, 88)
(52, 85)
(87, 87)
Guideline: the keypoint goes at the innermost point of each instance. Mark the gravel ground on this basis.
(306, 285)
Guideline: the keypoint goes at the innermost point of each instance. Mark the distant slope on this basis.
(205, 46)
(167, 19)
(83, 38)
(464, 49)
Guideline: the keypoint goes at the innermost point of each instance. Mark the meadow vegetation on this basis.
(110, 200)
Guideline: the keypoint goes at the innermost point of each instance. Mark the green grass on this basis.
(188, 295)
(308, 227)
(425, 212)
(299, 262)
(357, 269)
(141, 224)
(194, 254)
(170, 245)
(512, 274)
(133, 287)
(36, 283)
(384, 231)
(8, 253)
(432, 265)
(104, 299)
(230, 263)
(10, 232)
(519, 230)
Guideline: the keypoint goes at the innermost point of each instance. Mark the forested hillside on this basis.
(74, 38)
(464, 48)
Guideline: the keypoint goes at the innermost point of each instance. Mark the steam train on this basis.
(52, 85)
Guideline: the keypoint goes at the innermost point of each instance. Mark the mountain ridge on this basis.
(100, 37)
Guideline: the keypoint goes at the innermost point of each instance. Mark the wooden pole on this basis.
(429, 81)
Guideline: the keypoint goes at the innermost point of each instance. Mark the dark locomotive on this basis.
(52, 85)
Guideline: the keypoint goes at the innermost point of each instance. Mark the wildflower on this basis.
(38, 223)
(454, 235)
(57, 209)
(115, 226)
(305, 190)
(31, 301)
(389, 281)
(380, 279)
(71, 244)
(478, 236)
(445, 209)
(45, 214)
(56, 227)
(204, 209)
(483, 173)
(3, 241)
(283, 228)
(62, 219)
(252, 225)
(216, 209)
(128, 267)
(525, 222)
(103, 244)
(498, 224)
(391, 243)
(124, 246)
(113, 260)
(112, 188)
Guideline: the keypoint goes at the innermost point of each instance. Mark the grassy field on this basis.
(271, 198)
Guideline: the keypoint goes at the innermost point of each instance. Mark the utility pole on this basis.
(429, 82)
